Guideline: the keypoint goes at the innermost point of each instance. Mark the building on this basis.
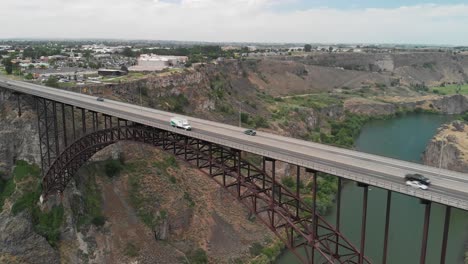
(111, 72)
(153, 62)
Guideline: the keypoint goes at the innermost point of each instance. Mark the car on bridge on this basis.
(250, 132)
(416, 184)
(100, 99)
(418, 177)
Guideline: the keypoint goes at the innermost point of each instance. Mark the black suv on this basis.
(250, 132)
(418, 177)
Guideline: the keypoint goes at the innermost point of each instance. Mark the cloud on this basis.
(233, 20)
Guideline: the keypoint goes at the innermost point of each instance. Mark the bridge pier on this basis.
(338, 216)
(387, 226)
(448, 210)
(364, 221)
(427, 216)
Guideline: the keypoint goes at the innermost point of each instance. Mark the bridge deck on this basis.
(448, 187)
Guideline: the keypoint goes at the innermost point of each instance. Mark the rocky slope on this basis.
(19, 137)
(449, 104)
(449, 148)
(104, 220)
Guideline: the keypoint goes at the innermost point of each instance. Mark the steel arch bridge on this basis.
(70, 136)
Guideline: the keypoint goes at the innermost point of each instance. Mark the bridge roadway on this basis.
(448, 187)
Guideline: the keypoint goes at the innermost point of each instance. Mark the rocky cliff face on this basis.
(20, 244)
(450, 104)
(19, 137)
(449, 148)
(368, 107)
(191, 209)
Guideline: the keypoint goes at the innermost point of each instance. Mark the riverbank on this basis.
(448, 149)
(404, 137)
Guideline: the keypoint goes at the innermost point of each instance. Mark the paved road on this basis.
(448, 187)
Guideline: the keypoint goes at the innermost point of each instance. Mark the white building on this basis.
(153, 62)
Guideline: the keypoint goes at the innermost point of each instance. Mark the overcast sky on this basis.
(325, 21)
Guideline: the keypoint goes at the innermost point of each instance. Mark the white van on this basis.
(180, 123)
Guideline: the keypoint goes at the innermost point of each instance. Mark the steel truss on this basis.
(282, 211)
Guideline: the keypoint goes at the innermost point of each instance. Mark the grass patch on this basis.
(92, 203)
(450, 89)
(7, 188)
(21, 173)
(343, 133)
(316, 101)
(266, 254)
(131, 250)
(46, 224)
(197, 256)
(168, 161)
(175, 103)
(140, 202)
(23, 169)
(189, 199)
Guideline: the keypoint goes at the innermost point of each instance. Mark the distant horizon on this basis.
(437, 23)
(225, 42)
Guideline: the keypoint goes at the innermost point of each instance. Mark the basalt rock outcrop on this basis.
(19, 137)
(449, 148)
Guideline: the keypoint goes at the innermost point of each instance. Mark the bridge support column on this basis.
(387, 225)
(239, 176)
(73, 122)
(314, 214)
(64, 123)
(427, 216)
(273, 189)
(18, 97)
(83, 121)
(445, 237)
(298, 193)
(338, 216)
(364, 221)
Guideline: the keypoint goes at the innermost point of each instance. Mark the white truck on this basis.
(180, 123)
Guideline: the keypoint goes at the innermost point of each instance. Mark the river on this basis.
(403, 138)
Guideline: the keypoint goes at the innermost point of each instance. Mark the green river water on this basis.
(403, 138)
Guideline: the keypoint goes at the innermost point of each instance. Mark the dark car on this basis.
(250, 132)
(418, 177)
(100, 99)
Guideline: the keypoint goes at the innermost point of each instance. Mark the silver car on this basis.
(416, 184)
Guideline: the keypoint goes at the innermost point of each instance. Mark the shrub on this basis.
(8, 188)
(288, 182)
(198, 257)
(48, 224)
(131, 250)
(189, 199)
(255, 249)
(99, 220)
(112, 168)
(173, 179)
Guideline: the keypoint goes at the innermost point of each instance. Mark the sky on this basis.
(303, 21)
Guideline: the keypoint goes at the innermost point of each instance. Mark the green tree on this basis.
(8, 65)
(52, 82)
(112, 168)
(308, 48)
(128, 52)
